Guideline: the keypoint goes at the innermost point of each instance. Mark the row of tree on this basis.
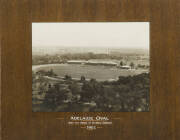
(126, 94)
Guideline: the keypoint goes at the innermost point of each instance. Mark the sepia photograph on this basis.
(91, 67)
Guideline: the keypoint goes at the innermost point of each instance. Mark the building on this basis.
(105, 63)
(125, 67)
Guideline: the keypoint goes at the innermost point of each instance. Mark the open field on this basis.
(98, 72)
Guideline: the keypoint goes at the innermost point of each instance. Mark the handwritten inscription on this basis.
(88, 118)
(89, 122)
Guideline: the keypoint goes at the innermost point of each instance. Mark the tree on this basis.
(55, 96)
(67, 77)
(75, 89)
(121, 63)
(83, 78)
(50, 73)
(132, 65)
(91, 90)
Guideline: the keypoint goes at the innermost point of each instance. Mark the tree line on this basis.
(129, 93)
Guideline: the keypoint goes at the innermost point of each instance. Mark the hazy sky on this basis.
(91, 34)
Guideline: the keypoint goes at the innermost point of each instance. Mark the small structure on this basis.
(125, 67)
